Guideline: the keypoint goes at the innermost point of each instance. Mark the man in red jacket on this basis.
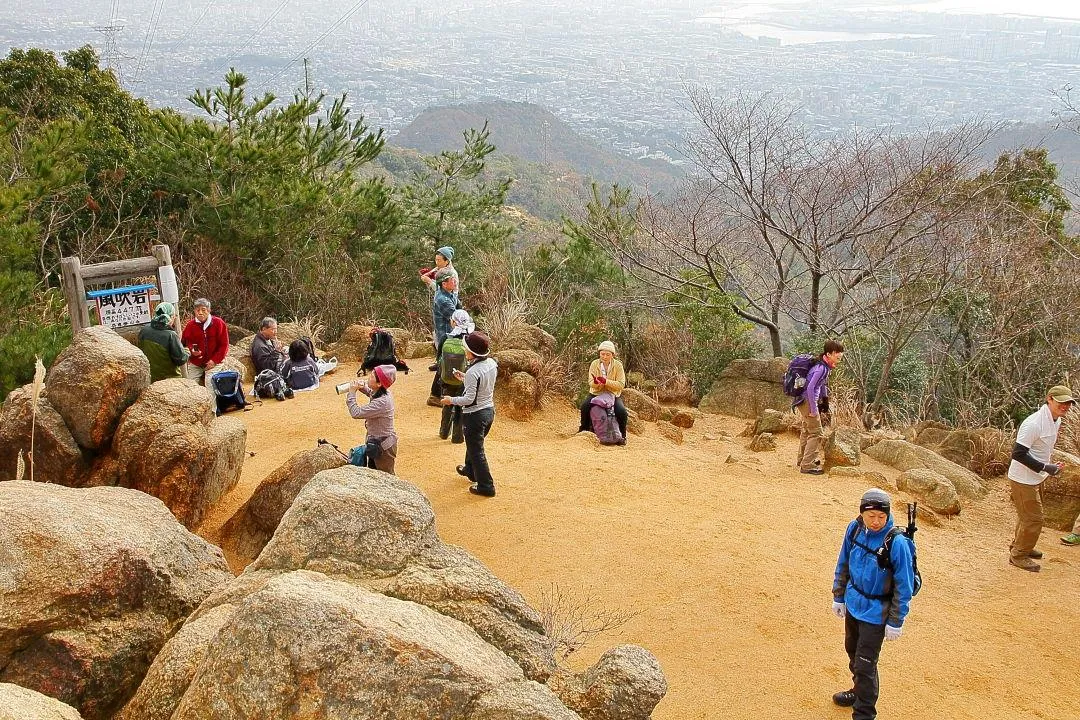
(207, 339)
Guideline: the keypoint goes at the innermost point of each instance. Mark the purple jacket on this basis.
(817, 386)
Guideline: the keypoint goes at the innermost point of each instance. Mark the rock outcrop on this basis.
(355, 608)
(522, 336)
(170, 444)
(646, 408)
(763, 442)
(1061, 493)
(250, 528)
(932, 488)
(903, 455)
(746, 388)
(774, 421)
(842, 447)
(18, 703)
(670, 431)
(522, 396)
(514, 361)
(57, 457)
(93, 381)
(95, 581)
(985, 451)
(625, 683)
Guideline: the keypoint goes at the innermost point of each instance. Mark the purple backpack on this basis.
(604, 422)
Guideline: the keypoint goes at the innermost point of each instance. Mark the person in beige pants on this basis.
(814, 396)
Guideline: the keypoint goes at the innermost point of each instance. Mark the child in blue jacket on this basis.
(871, 595)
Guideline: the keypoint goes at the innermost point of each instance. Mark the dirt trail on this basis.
(729, 566)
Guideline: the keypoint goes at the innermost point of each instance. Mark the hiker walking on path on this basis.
(871, 596)
(811, 402)
(606, 374)
(443, 306)
(1029, 467)
(161, 345)
(207, 339)
(477, 404)
(378, 416)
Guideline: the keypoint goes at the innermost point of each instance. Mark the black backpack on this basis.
(883, 553)
(228, 391)
(380, 351)
(269, 384)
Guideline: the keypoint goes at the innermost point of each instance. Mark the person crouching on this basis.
(377, 414)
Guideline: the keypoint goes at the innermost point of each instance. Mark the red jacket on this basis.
(213, 342)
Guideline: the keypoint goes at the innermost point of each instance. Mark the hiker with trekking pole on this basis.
(876, 576)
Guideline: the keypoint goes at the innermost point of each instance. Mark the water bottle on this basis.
(342, 387)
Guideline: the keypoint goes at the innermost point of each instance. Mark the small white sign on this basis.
(125, 308)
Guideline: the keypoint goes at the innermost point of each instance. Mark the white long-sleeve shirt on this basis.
(479, 386)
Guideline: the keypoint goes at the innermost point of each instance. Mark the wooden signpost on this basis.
(117, 307)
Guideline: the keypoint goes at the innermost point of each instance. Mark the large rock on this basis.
(379, 530)
(18, 703)
(985, 451)
(57, 457)
(521, 336)
(1061, 494)
(93, 381)
(626, 683)
(515, 361)
(520, 701)
(763, 442)
(746, 388)
(843, 447)
(903, 455)
(774, 421)
(683, 418)
(250, 528)
(305, 645)
(352, 344)
(169, 444)
(646, 408)
(670, 431)
(523, 394)
(242, 364)
(932, 488)
(92, 583)
(419, 349)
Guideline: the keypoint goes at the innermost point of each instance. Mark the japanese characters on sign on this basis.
(123, 307)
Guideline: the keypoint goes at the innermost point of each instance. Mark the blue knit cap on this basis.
(447, 252)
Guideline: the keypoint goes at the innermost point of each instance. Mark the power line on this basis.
(187, 33)
(348, 14)
(148, 41)
(252, 36)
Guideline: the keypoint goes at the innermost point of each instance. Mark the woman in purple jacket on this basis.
(810, 403)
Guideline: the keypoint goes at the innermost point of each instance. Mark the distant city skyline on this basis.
(616, 70)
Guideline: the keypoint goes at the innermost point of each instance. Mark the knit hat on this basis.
(477, 343)
(607, 345)
(385, 374)
(875, 499)
(445, 274)
(462, 323)
(447, 252)
(164, 310)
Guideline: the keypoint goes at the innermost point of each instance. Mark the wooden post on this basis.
(74, 293)
(163, 254)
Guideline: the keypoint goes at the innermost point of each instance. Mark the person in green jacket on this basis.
(161, 345)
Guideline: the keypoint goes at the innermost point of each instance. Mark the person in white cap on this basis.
(1029, 467)
(872, 587)
(606, 374)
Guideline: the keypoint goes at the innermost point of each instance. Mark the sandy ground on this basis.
(728, 566)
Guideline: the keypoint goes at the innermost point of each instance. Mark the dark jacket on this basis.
(442, 307)
(265, 356)
(162, 348)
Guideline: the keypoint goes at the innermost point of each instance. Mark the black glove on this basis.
(823, 404)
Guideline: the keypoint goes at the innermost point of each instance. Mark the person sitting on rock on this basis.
(161, 345)
(207, 339)
(378, 416)
(606, 374)
(300, 371)
(452, 357)
(267, 352)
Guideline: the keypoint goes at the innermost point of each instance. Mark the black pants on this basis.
(863, 644)
(476, 426)
(620, 414)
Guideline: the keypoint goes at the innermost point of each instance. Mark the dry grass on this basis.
(990, 454)
(573, 618)
(1069, 434)
(845, 410)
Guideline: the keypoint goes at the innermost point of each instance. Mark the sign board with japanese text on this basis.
(122, 307)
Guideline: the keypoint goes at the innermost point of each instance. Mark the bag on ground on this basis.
(380, 351)
(797, 370)
(228, 391)
(453, 358)
(604, 423)
(269, 384)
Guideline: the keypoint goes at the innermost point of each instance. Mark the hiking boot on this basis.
(434, 401)
(1035, 554)
(844, 698)
(813, 471)
(433, 367)
(461, 471)
(482, 491)
(289, 393)
(1025, 563)
(444, 424)
(1071, 539)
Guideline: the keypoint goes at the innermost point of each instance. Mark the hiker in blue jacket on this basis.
(871, 597)
(813, 401)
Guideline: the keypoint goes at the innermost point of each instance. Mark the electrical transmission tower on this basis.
(110, 53)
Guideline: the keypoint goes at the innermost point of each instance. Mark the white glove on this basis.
(893, 633)
(839, 609)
